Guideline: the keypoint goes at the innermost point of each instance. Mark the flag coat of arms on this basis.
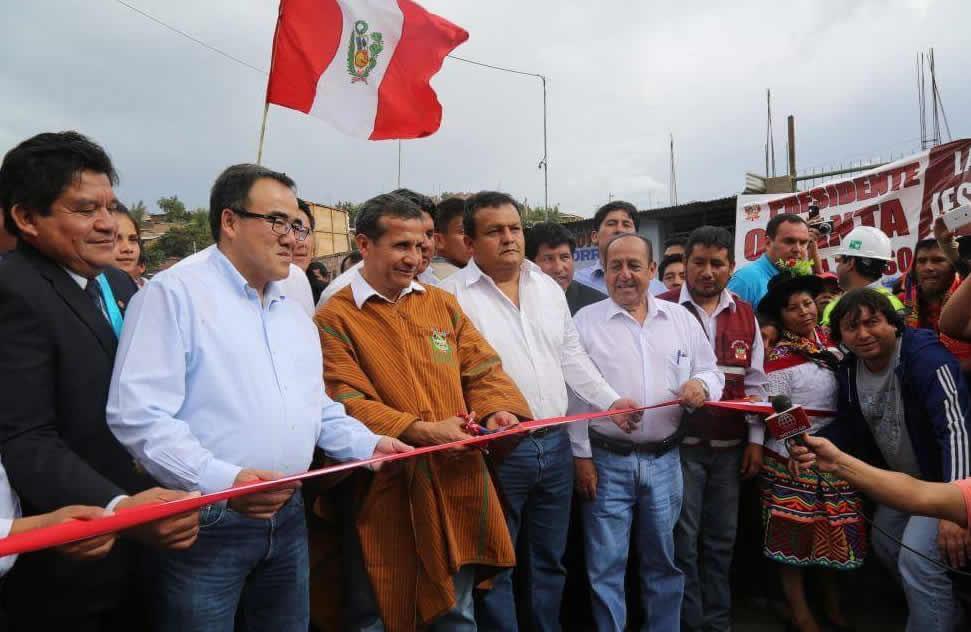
(362, 65)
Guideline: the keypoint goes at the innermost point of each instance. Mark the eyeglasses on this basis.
(277, 224)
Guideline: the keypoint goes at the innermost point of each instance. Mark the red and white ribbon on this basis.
(75, 530)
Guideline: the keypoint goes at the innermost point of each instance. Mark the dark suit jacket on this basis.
(56, 358)
(579, 296)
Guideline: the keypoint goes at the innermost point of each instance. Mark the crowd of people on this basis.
(247, 362)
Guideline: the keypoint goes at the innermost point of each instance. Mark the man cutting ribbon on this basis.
(651, 351)
(217, 383)
(405, 360)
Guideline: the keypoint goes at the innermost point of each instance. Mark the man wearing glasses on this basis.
(218, 382)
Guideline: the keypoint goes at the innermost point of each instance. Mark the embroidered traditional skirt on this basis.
(806, 522)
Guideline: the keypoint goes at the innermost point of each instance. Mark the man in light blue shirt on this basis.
(786, 237)
(612, 219)
(218, 382)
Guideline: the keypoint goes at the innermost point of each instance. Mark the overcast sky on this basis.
(622, 76)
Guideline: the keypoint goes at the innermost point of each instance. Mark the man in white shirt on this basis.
(652, 351)
(218, 383)
(524, 315)
(425, 275)
(720, 447)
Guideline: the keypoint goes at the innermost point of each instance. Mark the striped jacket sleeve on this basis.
(346, 381)
(946, 398)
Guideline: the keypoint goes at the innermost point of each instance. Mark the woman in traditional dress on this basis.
(811, 519)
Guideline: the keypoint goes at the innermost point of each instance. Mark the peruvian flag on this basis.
(362, 65)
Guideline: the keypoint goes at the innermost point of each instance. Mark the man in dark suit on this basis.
(551, 246)
(57, 349)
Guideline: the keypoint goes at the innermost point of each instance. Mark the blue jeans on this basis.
(929, 590)
(255, 569)
(536, 480)
(651, 486)
(709, 519)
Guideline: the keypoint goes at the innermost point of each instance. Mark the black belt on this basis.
(626, 448)
(542, 432)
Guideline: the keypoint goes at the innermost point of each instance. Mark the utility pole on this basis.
(399, 164)
(673, 177)
(791, 123)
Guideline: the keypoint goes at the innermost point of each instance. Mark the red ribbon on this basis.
(75, 530)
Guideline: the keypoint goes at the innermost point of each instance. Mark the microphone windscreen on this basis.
(780, 403)
(788, 423)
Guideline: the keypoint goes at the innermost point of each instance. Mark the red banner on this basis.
(902, 199)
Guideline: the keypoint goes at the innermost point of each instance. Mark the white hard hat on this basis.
(866, 241)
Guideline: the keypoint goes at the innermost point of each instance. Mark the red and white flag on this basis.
(362, 65)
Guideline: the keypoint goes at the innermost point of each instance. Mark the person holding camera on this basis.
(860, 262)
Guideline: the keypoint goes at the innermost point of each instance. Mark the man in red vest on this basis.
(719, 447)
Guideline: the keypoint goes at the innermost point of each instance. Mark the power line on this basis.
(218, 51)
(191, 38)
(543, 164)
(479, 63)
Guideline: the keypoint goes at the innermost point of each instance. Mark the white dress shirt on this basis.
(9, 511)
(755, 379)
(296, 287)
(648, 363)
(209, 379)
(339, 282)
(362, 290)
(344, 279)
(537, 341)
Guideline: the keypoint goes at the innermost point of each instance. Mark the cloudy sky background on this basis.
(622, 76)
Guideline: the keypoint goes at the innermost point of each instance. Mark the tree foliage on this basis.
(138, 211)
(351, 209)
(173, 208)
(181, 241)
(539, 214)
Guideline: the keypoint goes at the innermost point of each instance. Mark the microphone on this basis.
(788, 421)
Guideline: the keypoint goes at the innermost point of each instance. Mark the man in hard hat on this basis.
(862, 258)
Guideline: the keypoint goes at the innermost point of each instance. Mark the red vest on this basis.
(735, 334)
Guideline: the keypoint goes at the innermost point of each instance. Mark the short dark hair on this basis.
(784, 218)
(423, 202)
(647, 242)
(485, 199)
(355, 256)
(35, 172)
(711, 237)
(610, 207)
(121, 209)
(448, 209)
(765, 320)
(385, 205)
(869, 267)
(925, 244)
(549, 234)
(305, 207)
(852, 303)
(668, 260)
(319, 265)
(676, 241)
(231, 190)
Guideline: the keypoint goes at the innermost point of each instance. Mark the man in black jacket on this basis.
(904, 405)
(57, 349)
(551, 246)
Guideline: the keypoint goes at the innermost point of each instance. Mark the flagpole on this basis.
(399, 164)
(259, 152)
